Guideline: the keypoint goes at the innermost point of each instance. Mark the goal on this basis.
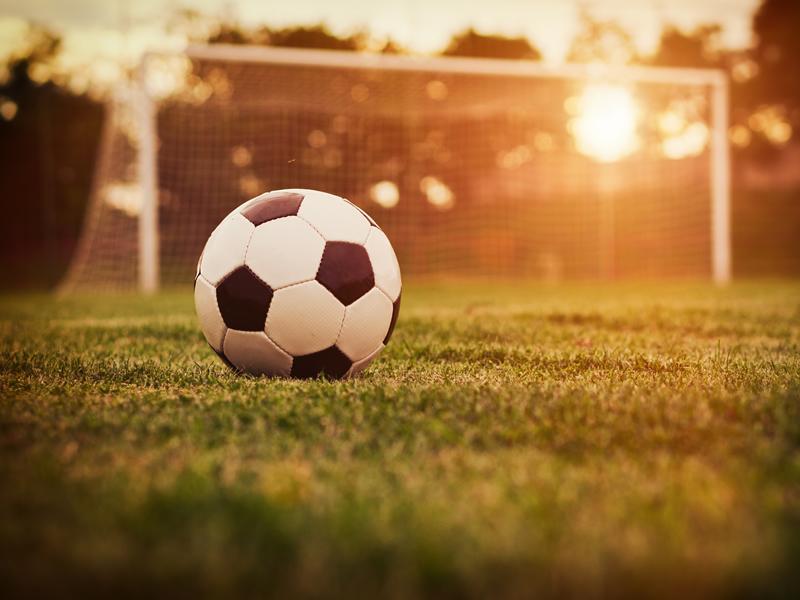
(473, 167)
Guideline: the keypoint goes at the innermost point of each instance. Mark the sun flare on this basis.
(605, 122)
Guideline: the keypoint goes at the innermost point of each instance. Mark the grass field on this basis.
(513, 441)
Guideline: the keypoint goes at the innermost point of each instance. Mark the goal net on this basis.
(474, 168)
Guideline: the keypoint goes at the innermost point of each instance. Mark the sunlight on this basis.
(385, 193)
(8, 108)
(690, 140)
(773, 123)
(125, 197)
(605, 121)
(439, 195)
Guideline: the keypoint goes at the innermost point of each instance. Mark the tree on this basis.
(472, 43)
(776, 26)
(314, 37)
(602, 41)
(202, 28)
(698, 48)
(48, 138)
(392, 47)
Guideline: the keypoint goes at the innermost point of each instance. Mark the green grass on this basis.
(512, 441)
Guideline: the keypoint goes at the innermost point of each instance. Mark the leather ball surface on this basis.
(297, 283)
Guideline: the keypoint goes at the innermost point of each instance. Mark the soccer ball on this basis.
(297, 283)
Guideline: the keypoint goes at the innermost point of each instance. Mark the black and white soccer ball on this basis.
(297, 283)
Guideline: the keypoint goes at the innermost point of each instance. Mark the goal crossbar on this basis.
(453, 64)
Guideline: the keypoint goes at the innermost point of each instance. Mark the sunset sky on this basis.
(106, 28)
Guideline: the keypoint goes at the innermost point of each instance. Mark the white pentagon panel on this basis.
(304, 318)
(366, 322)
(285, 251)
(336, 219)
(384, 263)
(362, 364)
(254, 353)
(211, 323)
(226, 248)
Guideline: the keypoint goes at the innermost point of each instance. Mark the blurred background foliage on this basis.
(49, 133)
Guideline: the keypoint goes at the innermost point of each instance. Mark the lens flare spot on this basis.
(740, 136)
(8, 109)
(317, 138)
(689, 142)
(385, 194)
(436, 191)
(436, 90)
(241, 156)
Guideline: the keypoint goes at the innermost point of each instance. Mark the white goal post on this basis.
(148, 177)
(393, 103)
